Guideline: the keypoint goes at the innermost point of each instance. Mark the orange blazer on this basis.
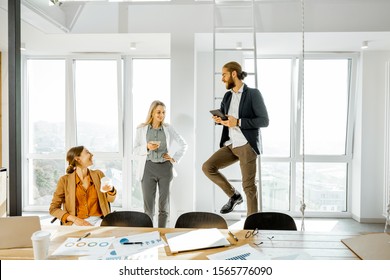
(64, 197)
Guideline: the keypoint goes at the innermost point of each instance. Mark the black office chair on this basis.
(127, 219)
(201, 220)
(270, 221)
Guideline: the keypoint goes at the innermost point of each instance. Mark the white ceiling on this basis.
(110, 27)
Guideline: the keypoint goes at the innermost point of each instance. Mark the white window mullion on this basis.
(293, 130)
(70, 109)
(351, 106)
(25, 134)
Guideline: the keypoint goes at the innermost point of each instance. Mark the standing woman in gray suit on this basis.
(155, 160)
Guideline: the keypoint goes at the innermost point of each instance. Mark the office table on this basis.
(315, 245)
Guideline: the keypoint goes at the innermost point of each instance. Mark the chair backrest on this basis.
(201, 220)
(127, 219)
(270, 221)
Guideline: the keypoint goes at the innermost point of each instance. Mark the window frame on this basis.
(295, 153)
(70, 120)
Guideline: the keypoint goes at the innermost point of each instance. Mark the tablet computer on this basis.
(218, 113)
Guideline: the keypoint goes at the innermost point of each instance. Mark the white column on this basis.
(386, 191)
(183, 119)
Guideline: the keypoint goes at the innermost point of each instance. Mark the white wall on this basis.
(368, 162)
(183, 118)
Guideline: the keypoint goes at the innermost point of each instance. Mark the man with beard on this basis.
(241, 137)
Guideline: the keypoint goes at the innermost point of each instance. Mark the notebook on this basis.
(195, 240)
(16, 231)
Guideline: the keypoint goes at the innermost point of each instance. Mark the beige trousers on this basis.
(225, 157)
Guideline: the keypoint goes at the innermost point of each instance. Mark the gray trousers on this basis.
(157, 174)
(226, 156)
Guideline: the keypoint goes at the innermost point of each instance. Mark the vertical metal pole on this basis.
(14, 101)
(259, 183)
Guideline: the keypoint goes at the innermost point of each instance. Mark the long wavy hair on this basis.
(153, 106)
(70, 157)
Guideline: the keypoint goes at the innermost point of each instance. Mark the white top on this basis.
(236, 137)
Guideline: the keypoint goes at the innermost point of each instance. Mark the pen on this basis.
(132, 243)
(232, 235)
(86, 235)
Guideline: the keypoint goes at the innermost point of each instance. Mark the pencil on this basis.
(86, 235)
(232, 235)
(132, 243)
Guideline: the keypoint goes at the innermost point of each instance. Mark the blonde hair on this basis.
(153, 106)
(70, 157)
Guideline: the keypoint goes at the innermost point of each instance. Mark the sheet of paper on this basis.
(148, 254)
(245, 252)
(86, 246)
(149, 240)
(294, 256)
(196, 239)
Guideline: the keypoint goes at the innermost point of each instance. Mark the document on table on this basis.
(244, 252)
(147, 254)
(195, 240)
(142, 246)
(147, 241)
(86, 246)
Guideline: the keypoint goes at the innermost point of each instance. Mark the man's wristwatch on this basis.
(238, 122)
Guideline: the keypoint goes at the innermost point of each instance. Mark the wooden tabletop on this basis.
(275, 244)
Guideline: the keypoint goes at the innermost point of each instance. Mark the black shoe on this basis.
(233, 201)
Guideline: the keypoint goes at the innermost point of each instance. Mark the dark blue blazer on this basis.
(252, 114)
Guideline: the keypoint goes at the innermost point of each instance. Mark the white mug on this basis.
(104, 182)
(41, 241)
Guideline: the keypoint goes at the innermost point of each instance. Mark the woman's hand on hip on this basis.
(168, 157)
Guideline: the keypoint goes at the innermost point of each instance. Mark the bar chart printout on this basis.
(245, 252)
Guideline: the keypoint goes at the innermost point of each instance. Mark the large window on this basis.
(96, 93)
(46, 128)
(326, 126)
(73, 101)
(70, 102)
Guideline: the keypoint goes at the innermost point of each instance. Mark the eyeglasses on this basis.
(251, 233)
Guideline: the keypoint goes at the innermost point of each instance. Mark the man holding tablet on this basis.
(241, 137)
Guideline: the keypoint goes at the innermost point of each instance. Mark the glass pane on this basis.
(46, 109)
(136, 191)
(276, 185)
(156, 74)
(96, 90)
(274, 79)
(44, 176)
(326, 106)
(113, 170)
(325, 187)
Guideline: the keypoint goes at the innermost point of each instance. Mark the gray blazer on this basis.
(252, 114)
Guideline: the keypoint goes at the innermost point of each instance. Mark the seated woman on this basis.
(79, 199)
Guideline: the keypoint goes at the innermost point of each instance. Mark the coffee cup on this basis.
(105, 181)
(41, 242)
